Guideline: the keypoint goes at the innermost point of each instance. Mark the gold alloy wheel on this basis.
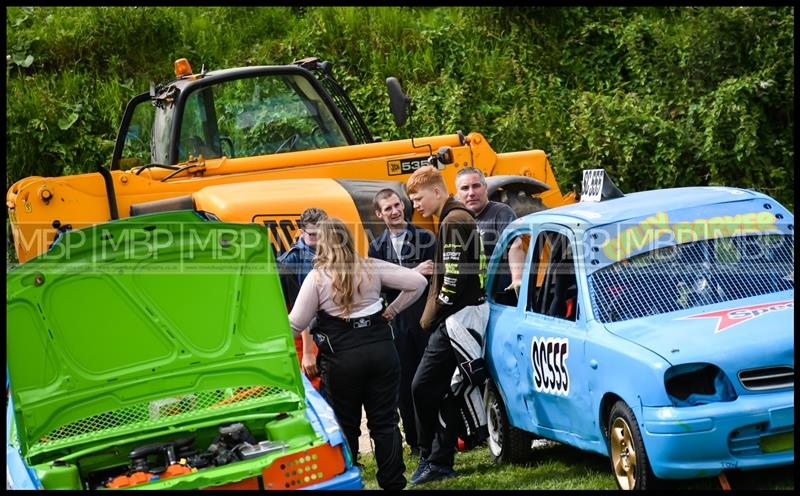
(623, 454)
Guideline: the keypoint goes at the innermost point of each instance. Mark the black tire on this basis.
(507, 444)
(629, 463)
(520, 202)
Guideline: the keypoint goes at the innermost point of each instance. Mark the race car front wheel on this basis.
(629, 461)
(507, 444)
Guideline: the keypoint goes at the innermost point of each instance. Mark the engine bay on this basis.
(215, 451)
(152, 462)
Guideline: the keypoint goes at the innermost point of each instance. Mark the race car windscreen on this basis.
(693, 274)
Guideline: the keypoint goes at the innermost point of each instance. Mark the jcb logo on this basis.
(282, 229)
(405, 166)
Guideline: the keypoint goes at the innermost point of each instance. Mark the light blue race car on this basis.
(656, 328)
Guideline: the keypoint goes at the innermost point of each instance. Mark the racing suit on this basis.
(456, 292)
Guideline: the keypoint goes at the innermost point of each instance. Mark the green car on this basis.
(155, 352)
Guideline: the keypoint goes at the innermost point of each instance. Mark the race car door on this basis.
(553, 332)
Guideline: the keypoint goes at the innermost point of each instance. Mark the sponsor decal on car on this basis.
(731, 317)
(549, 358)
(650, 230)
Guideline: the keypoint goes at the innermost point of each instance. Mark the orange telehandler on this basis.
(260, 132)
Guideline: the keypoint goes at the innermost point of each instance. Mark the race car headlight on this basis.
(693, 384)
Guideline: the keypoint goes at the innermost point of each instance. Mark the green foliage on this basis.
(659, 96)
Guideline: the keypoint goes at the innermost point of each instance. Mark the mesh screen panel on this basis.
(693, 274)
(158, 412)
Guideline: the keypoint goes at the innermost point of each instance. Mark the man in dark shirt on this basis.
(404, 244)
(492, 217)
(455, 314)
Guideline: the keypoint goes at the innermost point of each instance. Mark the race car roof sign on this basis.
(613, 242)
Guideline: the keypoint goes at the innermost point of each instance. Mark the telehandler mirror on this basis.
(399, 102)
(443, 157)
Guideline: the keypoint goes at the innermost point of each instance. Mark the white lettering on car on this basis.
(550, 372)
(731, 317)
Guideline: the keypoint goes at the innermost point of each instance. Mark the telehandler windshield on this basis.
(239, 117)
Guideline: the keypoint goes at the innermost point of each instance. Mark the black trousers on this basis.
(410, 341)
(429, 388)
(368, 375)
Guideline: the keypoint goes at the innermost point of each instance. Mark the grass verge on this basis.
(557, 466)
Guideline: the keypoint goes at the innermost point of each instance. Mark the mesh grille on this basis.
(767, 378)
(158, 412)
(693, 274)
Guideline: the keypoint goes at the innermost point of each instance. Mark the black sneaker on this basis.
(423, 464)
(435, 473)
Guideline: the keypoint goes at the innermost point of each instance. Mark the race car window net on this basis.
(691, 275)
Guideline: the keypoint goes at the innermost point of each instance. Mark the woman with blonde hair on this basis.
(357, 358)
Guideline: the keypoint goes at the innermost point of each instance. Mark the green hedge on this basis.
(658, 96)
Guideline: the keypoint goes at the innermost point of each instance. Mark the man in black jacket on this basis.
(404, 244)
(455, 313)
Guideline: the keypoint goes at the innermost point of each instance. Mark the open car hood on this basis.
(145, 322)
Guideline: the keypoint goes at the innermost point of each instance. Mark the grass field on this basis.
(557, 466)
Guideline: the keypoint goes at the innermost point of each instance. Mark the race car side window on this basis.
(552, 286)
(508, 275)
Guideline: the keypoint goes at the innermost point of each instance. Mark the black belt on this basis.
(354, 322)
(333, 334)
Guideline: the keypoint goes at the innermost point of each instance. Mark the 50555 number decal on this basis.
(550, 372)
